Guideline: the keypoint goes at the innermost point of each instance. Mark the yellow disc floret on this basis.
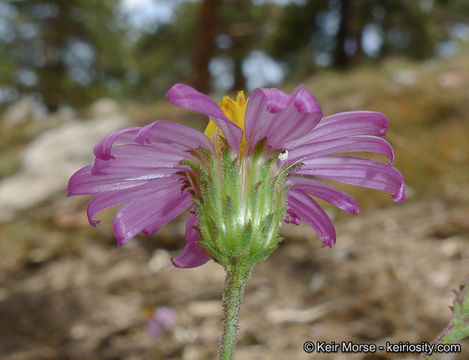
(233, 110)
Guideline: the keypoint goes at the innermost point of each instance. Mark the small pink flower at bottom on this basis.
(161, 170)
(161, 320)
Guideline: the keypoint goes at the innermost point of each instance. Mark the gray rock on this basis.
(104, 107)
(49, 161)
(405, 77)
(22, 111)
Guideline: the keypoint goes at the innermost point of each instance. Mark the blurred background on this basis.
(71, 71)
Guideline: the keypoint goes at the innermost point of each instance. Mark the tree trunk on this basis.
(238, 54)
(340, 57)
(204, 45)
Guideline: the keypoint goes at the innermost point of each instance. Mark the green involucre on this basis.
(240, 203)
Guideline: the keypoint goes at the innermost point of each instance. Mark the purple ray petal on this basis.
(134, 158)
(356, 171)
(326, 192)
(129, 165)
(84, 182)
(173, 133)
(187, 97)
(148, 214)
(170, 212)
(126, 136)
(300, 116)
(262, 106)
(345, 124)
(109, 199)
(362, 143)
(311, 213)
(129, 171)
(279, 117)
(193, 254)
(292, 218)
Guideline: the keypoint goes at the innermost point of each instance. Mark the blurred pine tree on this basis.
(67, 51)
(337, 32)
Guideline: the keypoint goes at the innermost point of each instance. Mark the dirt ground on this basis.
(389, 278)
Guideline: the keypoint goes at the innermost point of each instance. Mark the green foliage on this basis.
(245, 26)
(165, 56)
(74, 51)
(294, 28)
(71, 50)
(336, 29)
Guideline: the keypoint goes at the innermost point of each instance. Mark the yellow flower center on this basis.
(233, 110)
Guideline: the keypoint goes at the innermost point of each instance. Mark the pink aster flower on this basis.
(163, 169)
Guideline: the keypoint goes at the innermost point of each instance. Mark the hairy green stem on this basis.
(236, 277)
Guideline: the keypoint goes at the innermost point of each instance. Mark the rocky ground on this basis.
(389, 278)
